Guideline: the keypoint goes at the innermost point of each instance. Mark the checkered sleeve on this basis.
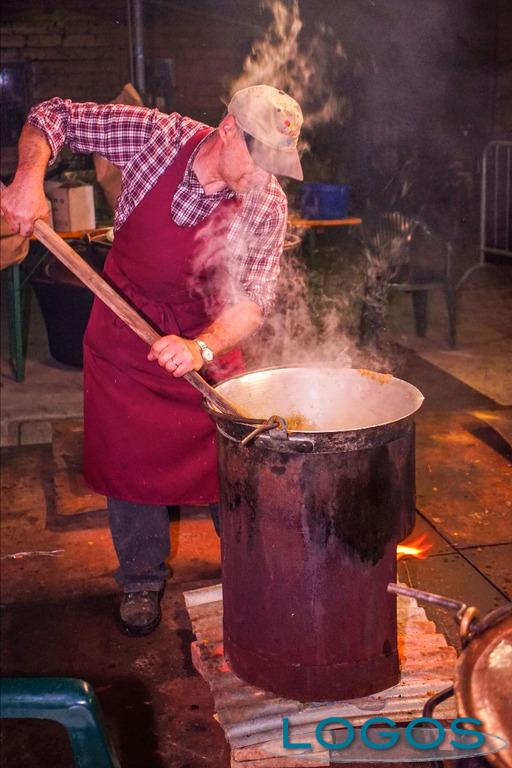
(117, 132)
(260, 266)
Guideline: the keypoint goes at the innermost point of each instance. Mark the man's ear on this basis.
(227, 128)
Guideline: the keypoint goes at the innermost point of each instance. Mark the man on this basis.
(196, 203)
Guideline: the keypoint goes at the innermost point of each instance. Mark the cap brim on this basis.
(280, 162)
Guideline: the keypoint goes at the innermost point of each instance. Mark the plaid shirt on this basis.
(143, 143)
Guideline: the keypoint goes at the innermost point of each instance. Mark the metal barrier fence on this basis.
(495, 204)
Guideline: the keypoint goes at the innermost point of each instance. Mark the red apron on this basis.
(147, 438)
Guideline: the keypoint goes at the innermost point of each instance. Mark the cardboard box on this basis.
(72, 205)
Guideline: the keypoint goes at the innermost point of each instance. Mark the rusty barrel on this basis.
(311, 514)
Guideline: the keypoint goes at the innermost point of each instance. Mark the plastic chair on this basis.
(392, 265)
(70, 702)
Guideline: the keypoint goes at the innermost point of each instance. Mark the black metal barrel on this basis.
(310, 523)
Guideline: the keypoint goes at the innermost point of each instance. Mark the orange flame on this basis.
(417, 547)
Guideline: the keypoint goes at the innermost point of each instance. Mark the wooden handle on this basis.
(74, 262)
(118, 305)
(89, 277)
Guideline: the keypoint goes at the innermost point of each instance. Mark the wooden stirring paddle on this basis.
(89, 277)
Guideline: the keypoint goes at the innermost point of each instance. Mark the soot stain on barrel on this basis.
(245, 494)
(316, 492)
(318, 519)
(352, 501)
(368, 504)
(232, 492)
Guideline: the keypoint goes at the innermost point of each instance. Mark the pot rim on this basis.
(385, 378)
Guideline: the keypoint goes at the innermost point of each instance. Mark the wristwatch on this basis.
(206, 352)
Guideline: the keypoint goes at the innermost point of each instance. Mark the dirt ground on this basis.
(59, 601)
(59, 610)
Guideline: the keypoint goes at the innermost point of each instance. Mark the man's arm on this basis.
(24, 201)
(180, 356)
(257, 280)
(116, 131)
(256, 252)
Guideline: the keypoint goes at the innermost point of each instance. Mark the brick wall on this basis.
(80, 50)
(72, 49)
(208, 52)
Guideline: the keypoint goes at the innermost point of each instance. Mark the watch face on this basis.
(206, 352)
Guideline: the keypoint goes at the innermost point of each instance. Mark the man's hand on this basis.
(177, 355)
(180, 356)
(22, 203)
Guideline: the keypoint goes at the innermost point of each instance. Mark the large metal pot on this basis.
(310, 522)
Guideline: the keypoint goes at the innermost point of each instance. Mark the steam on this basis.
(317, 318)
(307, 325)
(382, 262)
(315, 321)
(215, 276)
(303, 69)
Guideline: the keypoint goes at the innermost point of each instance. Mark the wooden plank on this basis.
(272, 755)
(313, 223)
(203, 596)
(283, 762)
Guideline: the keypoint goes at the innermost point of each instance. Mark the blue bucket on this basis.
(324, 201)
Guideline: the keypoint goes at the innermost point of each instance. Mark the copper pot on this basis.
(483, 681)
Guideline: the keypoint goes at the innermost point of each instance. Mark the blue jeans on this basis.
(140, 533)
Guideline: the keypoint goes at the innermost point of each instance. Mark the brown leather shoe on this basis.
(140, 611)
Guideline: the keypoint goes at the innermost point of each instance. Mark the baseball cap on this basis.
(274, 120)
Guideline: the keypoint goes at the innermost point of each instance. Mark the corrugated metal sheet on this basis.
(252, 718)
